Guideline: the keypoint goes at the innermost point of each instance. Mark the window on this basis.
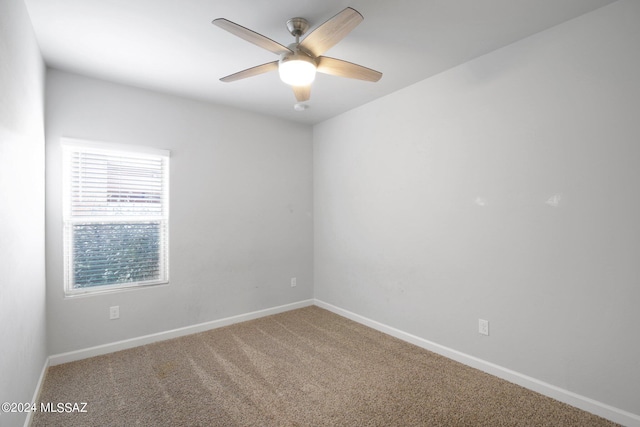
(116, 216)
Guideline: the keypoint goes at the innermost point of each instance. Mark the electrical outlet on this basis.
(483, 327)
(114, 312)
(294, 282)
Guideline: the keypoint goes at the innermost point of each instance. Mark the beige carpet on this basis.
(306, 367)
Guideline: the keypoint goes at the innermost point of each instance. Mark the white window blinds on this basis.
(116, 213)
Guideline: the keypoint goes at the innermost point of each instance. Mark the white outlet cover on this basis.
(483, 327)
(114, 312)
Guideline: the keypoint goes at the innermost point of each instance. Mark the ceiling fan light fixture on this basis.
(297, 70)
(300, 60)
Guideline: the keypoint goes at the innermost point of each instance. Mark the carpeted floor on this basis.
(307, 367)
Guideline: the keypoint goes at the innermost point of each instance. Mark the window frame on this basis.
(72, 145)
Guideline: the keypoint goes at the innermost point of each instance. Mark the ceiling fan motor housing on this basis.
(298, 55)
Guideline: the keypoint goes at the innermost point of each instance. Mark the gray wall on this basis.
(22, 277)
(240, 220)
(505, 189)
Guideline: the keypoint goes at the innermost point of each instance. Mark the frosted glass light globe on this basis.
(297, 70)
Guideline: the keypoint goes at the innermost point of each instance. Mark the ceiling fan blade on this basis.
(250, 72)
(251, 36)
(331, 32)
(338, 67)
(302, 93)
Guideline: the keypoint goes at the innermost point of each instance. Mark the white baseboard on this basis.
(590, 405)
(99, 350)
(36, 393)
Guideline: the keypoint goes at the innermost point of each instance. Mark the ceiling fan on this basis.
(300, 60)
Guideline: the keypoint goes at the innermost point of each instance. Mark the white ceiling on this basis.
(171, 45)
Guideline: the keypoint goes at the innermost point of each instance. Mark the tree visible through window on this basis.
(116, 216)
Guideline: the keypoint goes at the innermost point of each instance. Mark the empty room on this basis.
(309, 213)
